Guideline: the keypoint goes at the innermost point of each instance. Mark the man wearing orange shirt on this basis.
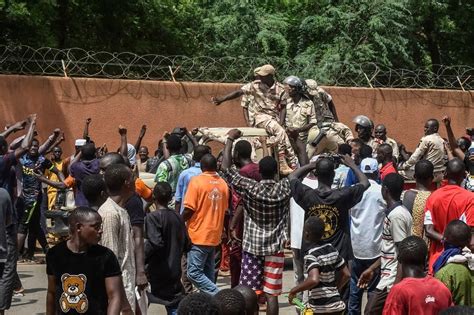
(205, 203)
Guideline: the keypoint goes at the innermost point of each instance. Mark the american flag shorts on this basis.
(263, 273)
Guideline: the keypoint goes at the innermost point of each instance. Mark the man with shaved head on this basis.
(448, 203)
(380, 133)
(385, 157)
(431, 148)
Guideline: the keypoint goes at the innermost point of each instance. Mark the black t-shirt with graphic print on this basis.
(333, 208)
(80, 278)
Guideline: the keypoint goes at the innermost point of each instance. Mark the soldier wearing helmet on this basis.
(364, 128)
(262, 101)
(299, 115)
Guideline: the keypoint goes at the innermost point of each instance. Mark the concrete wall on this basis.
(67, 102)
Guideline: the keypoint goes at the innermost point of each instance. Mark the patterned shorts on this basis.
(263, 273)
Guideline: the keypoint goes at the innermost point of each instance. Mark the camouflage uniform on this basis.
(299, 115)
(321, 100)
(246, 101)
(336, 133)
(265, 110)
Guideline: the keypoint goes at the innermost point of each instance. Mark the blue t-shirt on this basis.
(32, 185)
(183, 182)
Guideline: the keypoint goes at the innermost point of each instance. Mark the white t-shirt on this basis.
(396, 227)
(297, 217)
(367, 219)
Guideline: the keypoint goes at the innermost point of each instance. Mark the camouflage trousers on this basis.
(335, 136)
(276, 131)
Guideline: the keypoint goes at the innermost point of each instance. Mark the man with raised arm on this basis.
(268, 97)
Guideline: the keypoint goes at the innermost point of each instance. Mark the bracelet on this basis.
(229, 138)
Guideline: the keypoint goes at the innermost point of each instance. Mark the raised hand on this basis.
(142, 131)
(32, 118)
(234, 134)
(122, 130)
(446, 120)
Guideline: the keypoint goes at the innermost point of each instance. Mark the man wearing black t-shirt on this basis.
(331, 205)
(84, 277)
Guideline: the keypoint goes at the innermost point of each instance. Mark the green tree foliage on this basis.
(321, 38)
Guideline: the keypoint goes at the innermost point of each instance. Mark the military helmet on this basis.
(363, 121)
(293, 81)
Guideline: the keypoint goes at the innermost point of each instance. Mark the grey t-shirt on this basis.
(396, 227)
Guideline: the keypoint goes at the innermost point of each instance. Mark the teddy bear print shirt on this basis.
(80, 278)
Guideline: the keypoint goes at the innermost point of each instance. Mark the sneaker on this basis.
(20, 292)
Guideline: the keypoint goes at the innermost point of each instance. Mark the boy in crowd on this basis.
(166, 242)
(198, 304)
(454, 267)
(250, 297)
(416, 293)
(93, 188)
(82, 275)
(321, 264)
(230, 302)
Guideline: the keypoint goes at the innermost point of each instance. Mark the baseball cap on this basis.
(369, 165)
(264, 70)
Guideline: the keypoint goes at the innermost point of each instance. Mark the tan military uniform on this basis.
(299, 115)
(431, 148)
(336, 133)
(321, 101)
(246, 102)
(374, 144)
(393, 144)
(265, 109)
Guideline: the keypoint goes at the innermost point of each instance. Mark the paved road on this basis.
(35, 283)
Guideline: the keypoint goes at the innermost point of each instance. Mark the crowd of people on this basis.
(357, 213)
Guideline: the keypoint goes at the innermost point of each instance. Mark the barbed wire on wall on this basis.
(77, 62)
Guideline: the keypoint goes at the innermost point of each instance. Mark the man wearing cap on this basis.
(263, 111)
(299, 115)
(366, 243)
(431, 148)
(380, 134)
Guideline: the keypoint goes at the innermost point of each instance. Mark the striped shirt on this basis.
(118, 237)
(396, 227)
(325, 298)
